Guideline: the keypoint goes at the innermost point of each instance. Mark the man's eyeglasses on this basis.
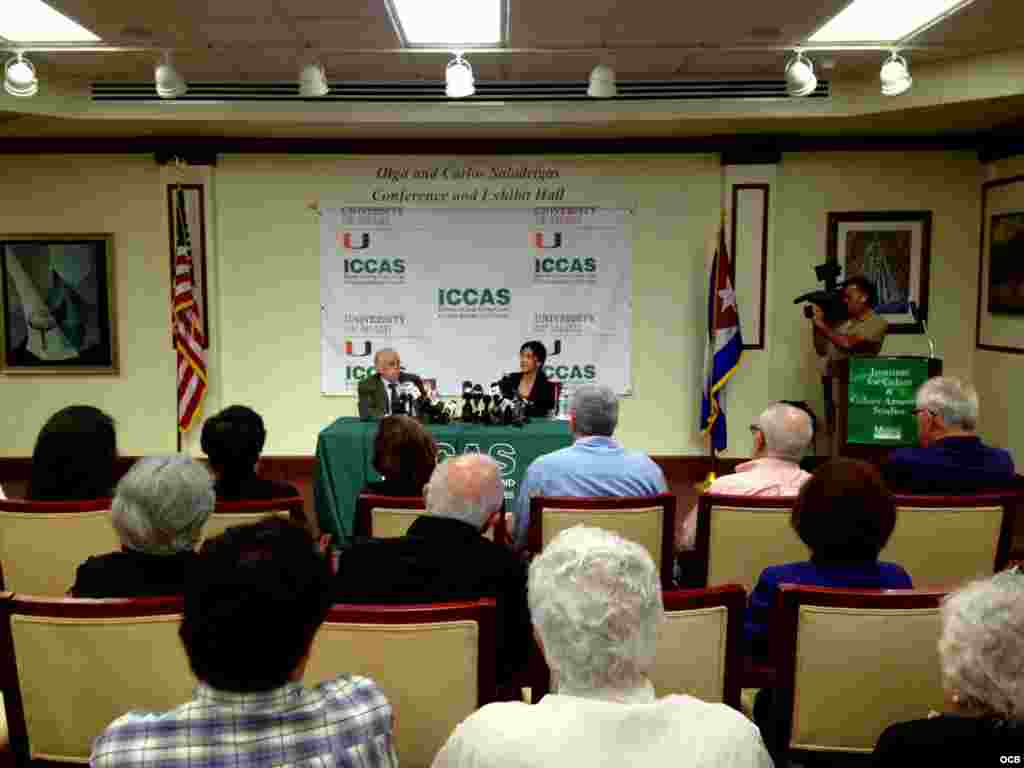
(919, 411)
(754, 428)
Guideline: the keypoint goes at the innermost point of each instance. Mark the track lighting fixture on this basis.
(799, 73)
(602, 82)
(169, 83)
(313, 81)
(20, 77)
(458, 77)
(895, 76)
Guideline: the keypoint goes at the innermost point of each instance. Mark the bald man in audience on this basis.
(781, 435)
(444, 556)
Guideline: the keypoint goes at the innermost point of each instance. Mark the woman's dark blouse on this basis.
(542, 395)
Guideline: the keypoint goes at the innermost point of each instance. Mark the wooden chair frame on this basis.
(367, 502)
(293, 505)
(11, 605)
(667, 501)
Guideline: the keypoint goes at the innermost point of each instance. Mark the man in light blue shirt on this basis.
(594, 465)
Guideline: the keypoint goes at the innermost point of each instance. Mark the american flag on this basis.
(188, 334)
(725, 344)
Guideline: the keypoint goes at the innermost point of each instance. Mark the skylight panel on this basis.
(28, 21)
(449, 24)
(883, 20)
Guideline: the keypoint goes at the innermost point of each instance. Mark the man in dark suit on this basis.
(952, 459)
(444, 556)
(379, 395)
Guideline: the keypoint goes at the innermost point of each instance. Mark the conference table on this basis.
(344, 458)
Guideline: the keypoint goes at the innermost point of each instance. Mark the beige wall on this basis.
(999, 374)
(265, 273)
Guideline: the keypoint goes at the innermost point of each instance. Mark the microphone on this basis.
(409, 394)
(916, 314)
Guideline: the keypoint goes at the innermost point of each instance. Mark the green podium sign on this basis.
(881, 401)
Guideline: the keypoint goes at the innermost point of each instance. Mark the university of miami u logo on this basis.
(539, 240)
(349, 242)
(350, 349)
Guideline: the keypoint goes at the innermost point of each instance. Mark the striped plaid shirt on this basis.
(342, 722)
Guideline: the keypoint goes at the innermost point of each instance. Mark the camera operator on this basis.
(862, 333)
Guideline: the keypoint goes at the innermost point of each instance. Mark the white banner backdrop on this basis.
(457, 291)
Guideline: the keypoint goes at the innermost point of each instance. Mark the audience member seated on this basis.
(982, 671)
(596, 605)
(845, 515)
(253, 604)
(233, 440)
(405, 454)
(444, 556)
(781, 436)
(952, 459)
(159, 509)
(73, 458)
(594, 465)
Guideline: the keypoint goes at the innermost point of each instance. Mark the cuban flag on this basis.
(725, 344)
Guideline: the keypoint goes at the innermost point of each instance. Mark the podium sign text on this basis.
(881, 400)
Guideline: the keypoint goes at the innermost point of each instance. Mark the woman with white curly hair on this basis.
(595, 602)
(981, 651)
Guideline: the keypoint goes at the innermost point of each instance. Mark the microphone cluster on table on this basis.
(477, 406)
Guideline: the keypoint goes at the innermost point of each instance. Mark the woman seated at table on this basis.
(982, 665)
(73, 458)
(158, 512)
(531, 383)
(405, 454)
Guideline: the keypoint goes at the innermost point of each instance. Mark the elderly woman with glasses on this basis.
(981, 653)
(158, 512)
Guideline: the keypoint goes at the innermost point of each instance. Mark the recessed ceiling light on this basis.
(33, 21)
(449, 24)
(883, 20)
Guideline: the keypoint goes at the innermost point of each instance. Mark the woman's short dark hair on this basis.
(844, 512)
(233, 439)
(74, 456)
(254, 599)
(404, 452)
(539, 351)
(866, 287)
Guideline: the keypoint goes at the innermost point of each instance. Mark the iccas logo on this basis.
(348, 241)
(358, 372)
(549, 265)
(375, 266)
(542, 241)
(350, 349)
(572, 373)
(473, 297)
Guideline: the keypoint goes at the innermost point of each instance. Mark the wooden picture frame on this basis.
(58, 304)
(997, 326)
(893, 250)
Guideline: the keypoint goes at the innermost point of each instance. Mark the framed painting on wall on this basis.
(1006, 264)
(58, 304)
(893, 250)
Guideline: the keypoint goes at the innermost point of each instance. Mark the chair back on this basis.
(946, 540)
(230, 513)
(851, 662)
(699, 644)
(42, 543)
(389, 517)
(77, 665)
(435, 663)
(740, 536)
(647, 520)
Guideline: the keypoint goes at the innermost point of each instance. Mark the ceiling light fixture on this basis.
(20, 77)
(895, 76)
(313, 81)
(169, 83)
(799, 73)
(458, 78)
(602, 82)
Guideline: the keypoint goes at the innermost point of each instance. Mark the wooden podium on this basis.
(874, 410)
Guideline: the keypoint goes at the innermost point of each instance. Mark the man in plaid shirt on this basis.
(253, 603)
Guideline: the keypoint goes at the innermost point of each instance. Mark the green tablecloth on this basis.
(344, 452)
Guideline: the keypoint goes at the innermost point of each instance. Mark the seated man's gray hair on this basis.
(595, 601)
(596, 410)
(787, 431)
(162, 503)
(953, 400)
(466, 488)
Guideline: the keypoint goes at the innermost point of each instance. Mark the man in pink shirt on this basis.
(781, 435)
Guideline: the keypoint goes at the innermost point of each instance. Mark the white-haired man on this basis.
(444, 556)
(594, 465)
(782, 434)
(952, 458)
(380, 394)
(595, 602)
